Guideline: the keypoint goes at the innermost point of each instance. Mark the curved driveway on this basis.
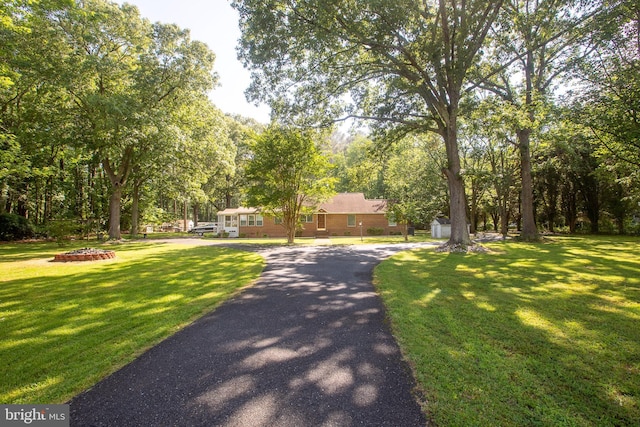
(306, 346)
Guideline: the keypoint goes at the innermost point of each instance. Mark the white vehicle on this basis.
(204, 228)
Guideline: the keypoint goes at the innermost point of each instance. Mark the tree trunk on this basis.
(570, 209)
(114, 212)
(291, 222)
(405, 231)
(196, 213)
(473, 214)
(458, 205)
(185, 216)
(91, 185)
(135, 210)
(291, 235)
(22, 205)
(48, 200)
(590, 193)
(228, 196)
(504, 218)
(529, 230)
(4, 197)
(36, 196)
(118, 180)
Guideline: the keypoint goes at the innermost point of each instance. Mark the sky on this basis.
(215, 23)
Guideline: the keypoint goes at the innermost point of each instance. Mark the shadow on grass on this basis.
(60, 333)
(537, 334)
(304, 346)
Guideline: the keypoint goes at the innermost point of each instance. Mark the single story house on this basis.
(345, 214)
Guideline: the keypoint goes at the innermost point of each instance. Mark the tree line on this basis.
(480, 75)
(100, 107)
(508, 113)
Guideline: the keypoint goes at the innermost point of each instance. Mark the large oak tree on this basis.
(533, 45)
(610, 104)
(400, 63)
(125, 74)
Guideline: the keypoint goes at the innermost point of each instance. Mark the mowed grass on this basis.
(529, 334)
(332, 240)
(64, 326)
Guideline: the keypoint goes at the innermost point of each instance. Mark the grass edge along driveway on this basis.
(529, 334)
(65, 326)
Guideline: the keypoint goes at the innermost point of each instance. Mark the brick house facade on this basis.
(346, 214)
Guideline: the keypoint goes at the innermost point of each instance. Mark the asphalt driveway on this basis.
(307, 346)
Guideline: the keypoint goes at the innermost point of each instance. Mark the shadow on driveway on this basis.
(306, 346)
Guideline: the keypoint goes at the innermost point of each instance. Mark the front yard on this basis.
(530, 334)
(64, 326)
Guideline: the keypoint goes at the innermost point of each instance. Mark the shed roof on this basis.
(442, 221)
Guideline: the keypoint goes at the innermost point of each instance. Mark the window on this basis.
(306, 218)
(392, 221)
(351, 220)
(251, 221)
(277, 220)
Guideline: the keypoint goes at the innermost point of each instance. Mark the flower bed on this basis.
(85, 254)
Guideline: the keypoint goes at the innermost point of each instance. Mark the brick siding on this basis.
(336, 225)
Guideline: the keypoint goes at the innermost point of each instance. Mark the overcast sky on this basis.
(215, 23)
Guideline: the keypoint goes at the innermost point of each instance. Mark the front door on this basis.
(231, 225)
(322, 221)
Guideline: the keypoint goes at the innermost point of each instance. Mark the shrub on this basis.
(64, 230)
(375, 231)
(14, 227)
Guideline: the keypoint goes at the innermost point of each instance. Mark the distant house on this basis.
(343, 215)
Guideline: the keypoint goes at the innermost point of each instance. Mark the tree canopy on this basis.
(532, 107)
(93, 83)
(287, 175)
(402, 63)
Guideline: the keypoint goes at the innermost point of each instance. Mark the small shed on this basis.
(441, 228)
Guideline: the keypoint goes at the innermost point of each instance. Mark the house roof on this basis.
(236, 211)
(342, 203)
(353, 203)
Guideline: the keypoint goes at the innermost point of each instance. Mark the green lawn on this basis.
(64, 326)
(332, 240)
(530, 334)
